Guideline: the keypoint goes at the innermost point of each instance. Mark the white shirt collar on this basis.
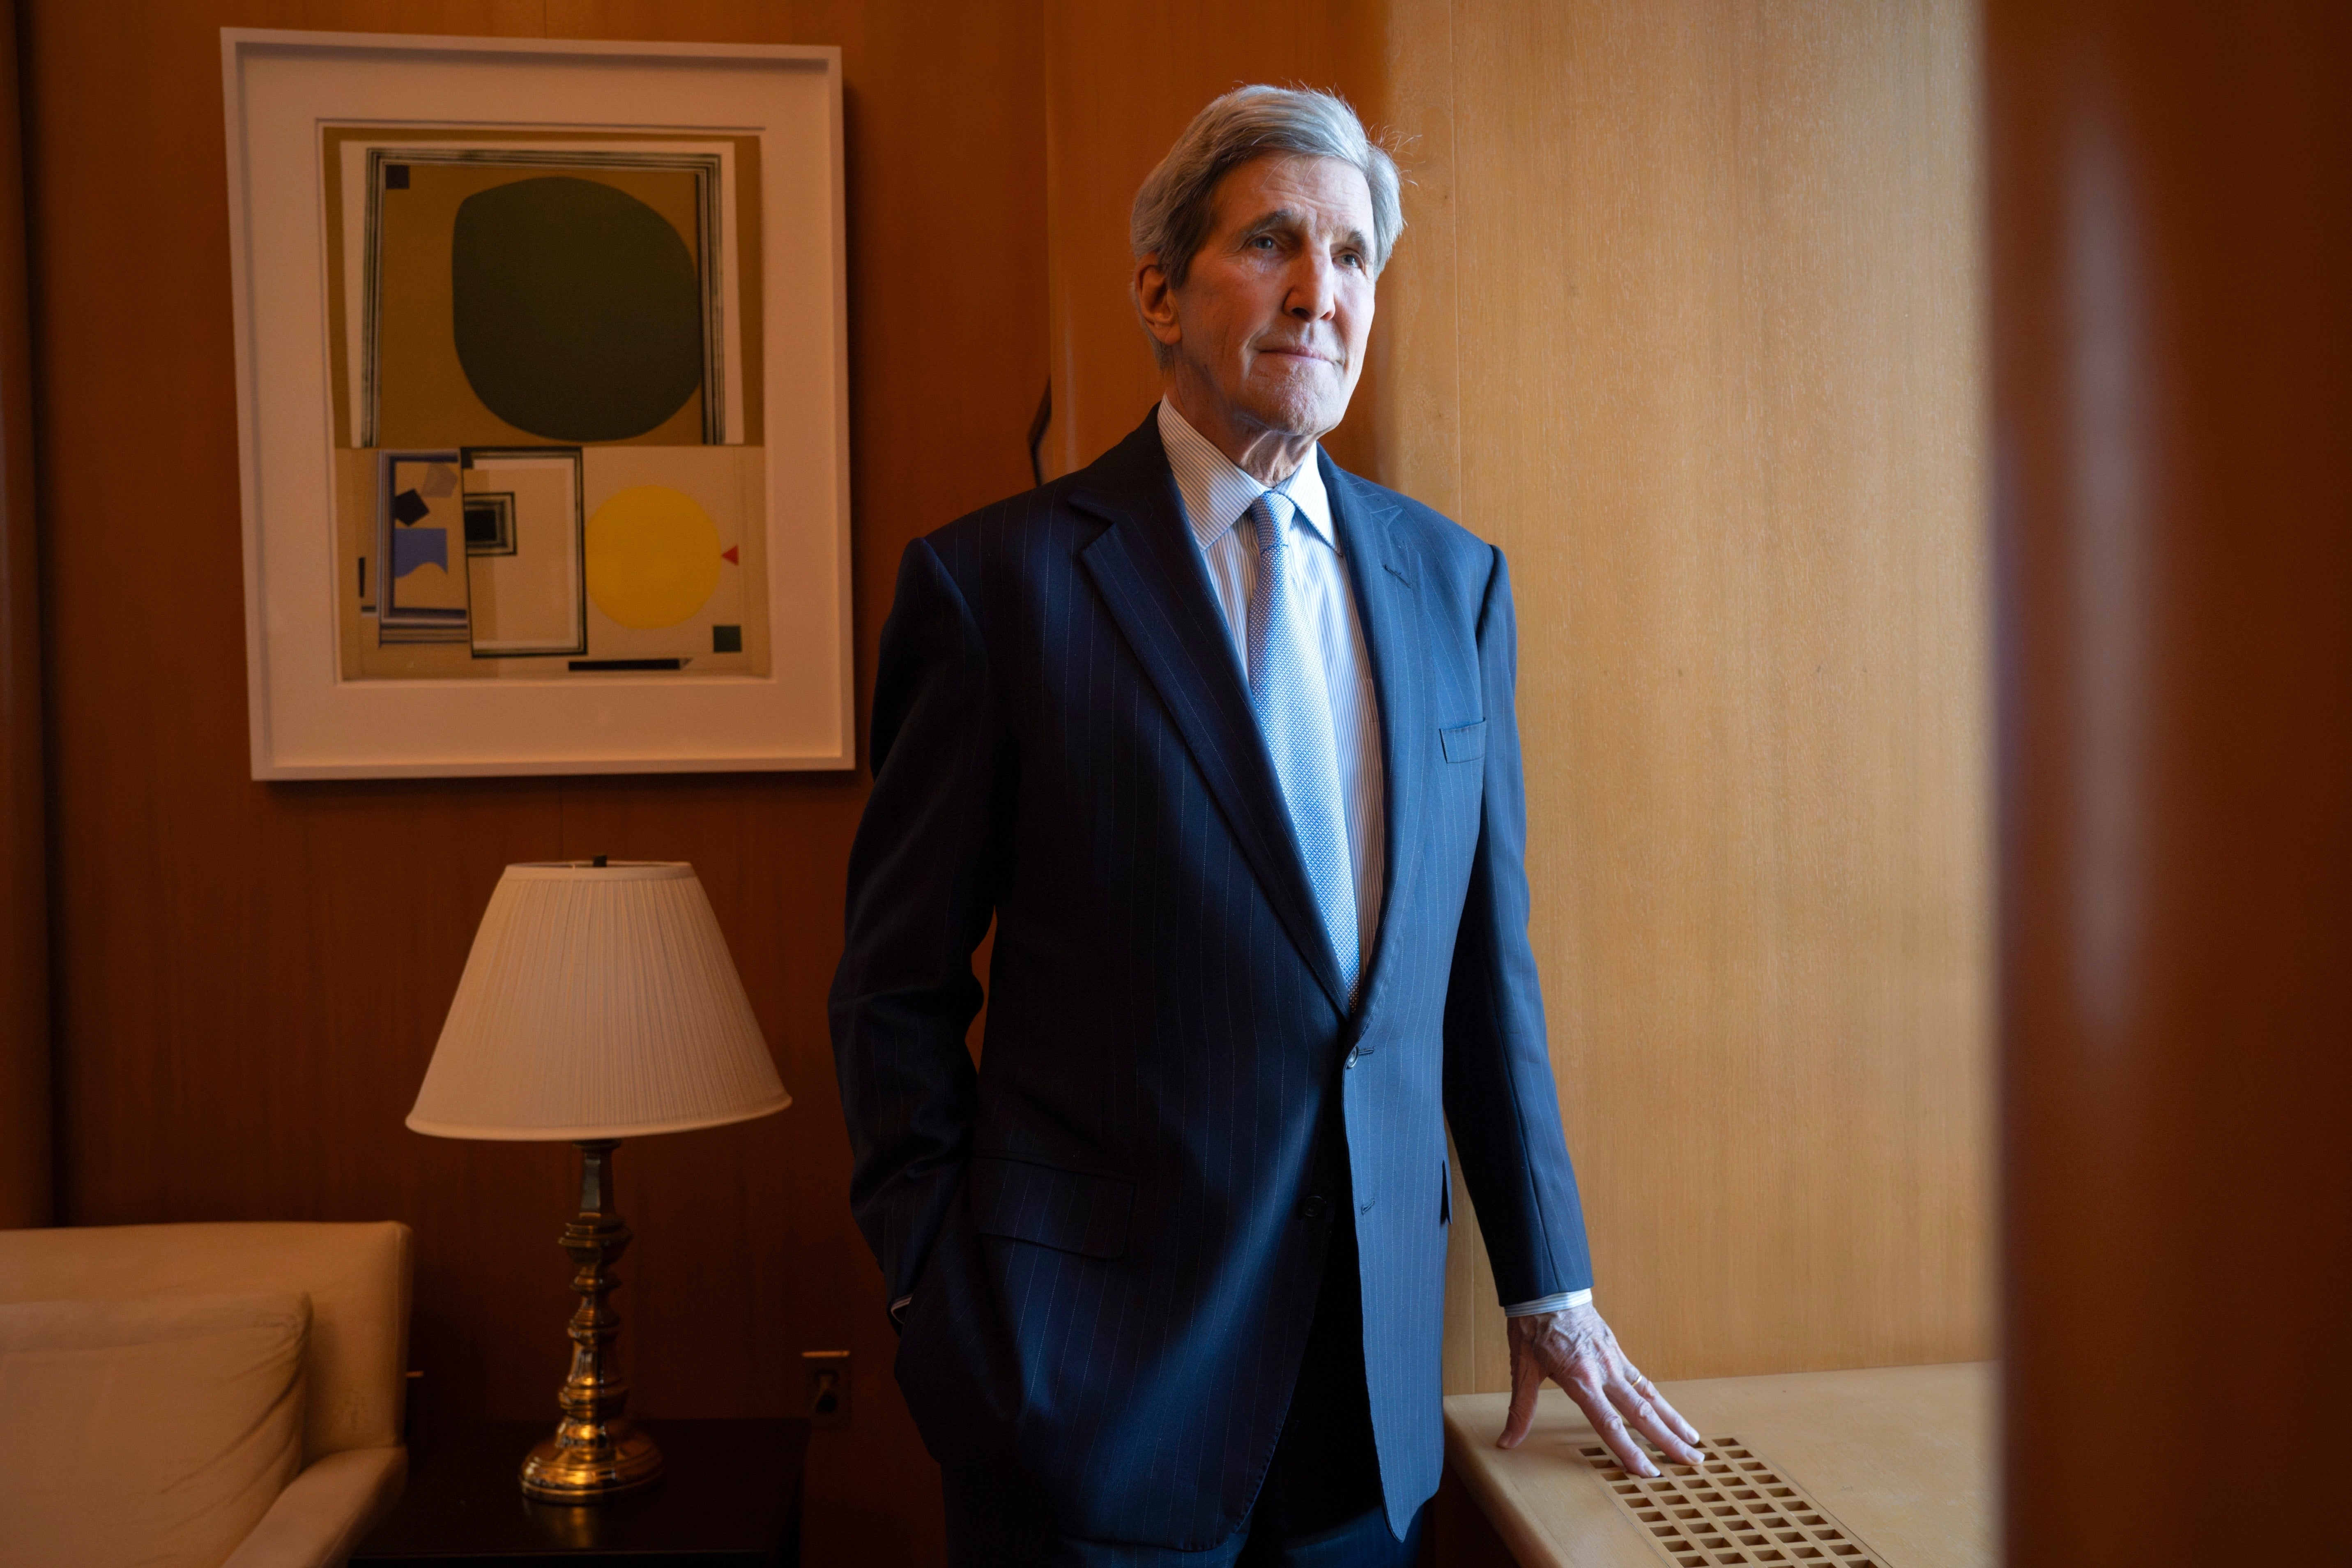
(1217, 493)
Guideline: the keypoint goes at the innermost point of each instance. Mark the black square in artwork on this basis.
(408, 506)
(396, 176)
(727, 639)
(482, 525)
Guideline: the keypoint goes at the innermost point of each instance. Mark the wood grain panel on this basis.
(26, 1149)
(1687, 321)
(250, 978)
(2173, 380)
(1123, 79)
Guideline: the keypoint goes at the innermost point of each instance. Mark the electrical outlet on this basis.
(826, 1373)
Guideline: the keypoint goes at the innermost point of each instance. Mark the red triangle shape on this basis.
(732, 552)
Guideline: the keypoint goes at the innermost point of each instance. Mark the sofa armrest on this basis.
(319, 1518)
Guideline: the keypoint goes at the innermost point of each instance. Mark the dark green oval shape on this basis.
(578, 312)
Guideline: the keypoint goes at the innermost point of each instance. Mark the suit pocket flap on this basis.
(1463, 742)
(1069, 1210)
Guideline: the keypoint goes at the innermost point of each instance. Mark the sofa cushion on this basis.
(151, 1430)
(357, 1277)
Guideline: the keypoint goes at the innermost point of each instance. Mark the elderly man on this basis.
(1223, 738)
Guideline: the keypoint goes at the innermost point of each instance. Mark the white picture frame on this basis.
(297, 103)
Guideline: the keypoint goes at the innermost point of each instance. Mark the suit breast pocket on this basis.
(1463, 742)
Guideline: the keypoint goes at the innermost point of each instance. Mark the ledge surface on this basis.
(1903, 1456)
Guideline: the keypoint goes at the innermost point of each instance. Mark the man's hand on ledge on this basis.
(1575, 1349)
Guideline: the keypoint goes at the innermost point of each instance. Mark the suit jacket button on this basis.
(1353, 1054)
(1313, 1208)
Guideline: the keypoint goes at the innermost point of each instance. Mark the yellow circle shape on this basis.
(653, 557)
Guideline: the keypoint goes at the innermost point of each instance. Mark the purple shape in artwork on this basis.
(415, 547)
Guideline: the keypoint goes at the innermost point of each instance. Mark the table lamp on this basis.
(599, 1003)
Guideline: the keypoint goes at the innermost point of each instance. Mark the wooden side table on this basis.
(729, 1496)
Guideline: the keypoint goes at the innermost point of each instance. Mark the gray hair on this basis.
(1174, 210)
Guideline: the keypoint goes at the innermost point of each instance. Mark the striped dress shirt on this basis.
(1217, 495)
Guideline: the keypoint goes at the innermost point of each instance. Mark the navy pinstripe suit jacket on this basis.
(1114, 1230)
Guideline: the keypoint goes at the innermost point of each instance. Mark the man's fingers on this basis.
(1623, 1444)
(1649, 1415)
(1684, 1429)
(1673, 1417)
(1596, 1407)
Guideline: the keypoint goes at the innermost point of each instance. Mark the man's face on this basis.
(1272, 317)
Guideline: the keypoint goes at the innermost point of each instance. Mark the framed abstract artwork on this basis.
(542, 372)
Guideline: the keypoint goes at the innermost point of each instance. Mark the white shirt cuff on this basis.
(898, 1308)
(1559, 1303)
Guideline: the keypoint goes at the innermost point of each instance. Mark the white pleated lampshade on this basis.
(599, 1002)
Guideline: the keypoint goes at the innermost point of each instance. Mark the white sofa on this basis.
(201, 1395)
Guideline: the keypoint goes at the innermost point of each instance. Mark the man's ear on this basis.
(1155, 301)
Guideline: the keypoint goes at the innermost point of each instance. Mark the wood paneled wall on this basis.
(250, 978)
(27, 1159)
(2172, 382)
(1687, 323)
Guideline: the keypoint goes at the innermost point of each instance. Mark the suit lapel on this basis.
(1150, 575)
(1384, 574)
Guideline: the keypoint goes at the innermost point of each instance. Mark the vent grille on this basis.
(1732, 1511)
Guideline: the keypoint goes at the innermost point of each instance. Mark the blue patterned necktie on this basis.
(1293, 712)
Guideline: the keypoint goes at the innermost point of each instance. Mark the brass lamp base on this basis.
(569, 1468)
(595, 1452)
